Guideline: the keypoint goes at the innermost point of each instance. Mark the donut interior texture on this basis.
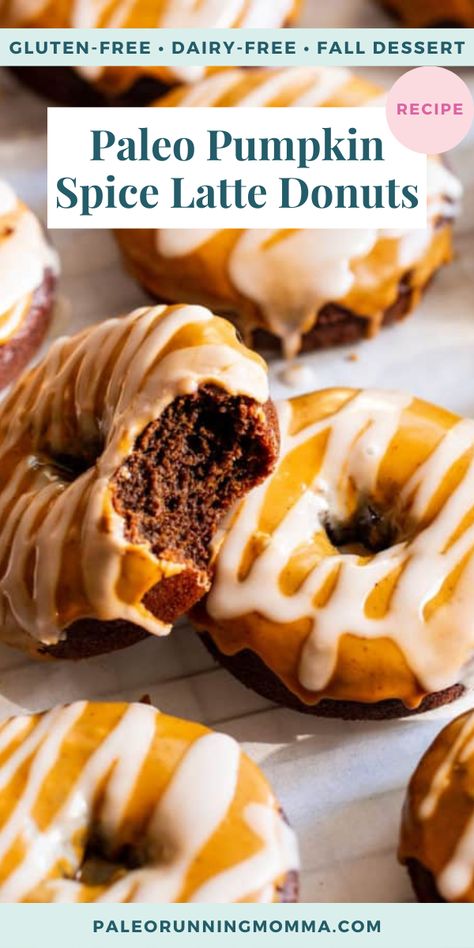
(131, 442)
(184, 473)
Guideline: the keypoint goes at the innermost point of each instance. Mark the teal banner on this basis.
(289, 47)
(238, 926)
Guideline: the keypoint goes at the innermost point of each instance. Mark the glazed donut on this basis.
(432, 12)
(437, 834)
(133, 85)
(119, 454)
(119, 803)
(28, 272)
(345, 582)
(302, 288)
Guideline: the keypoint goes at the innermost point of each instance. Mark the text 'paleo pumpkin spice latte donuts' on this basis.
(28, 272)
(305, 288)
(119, 454)
(119, 803)
(437, 836)
(345, 582)
(432, 12)
(133, 85)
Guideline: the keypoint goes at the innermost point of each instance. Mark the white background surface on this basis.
(341, 784)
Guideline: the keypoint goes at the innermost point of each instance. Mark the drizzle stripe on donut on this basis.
(63, 552)
(438, 817)
(89, 782)
(283, 589)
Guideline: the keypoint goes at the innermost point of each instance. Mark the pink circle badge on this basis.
(430, 109)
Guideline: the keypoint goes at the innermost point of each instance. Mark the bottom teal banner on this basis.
(243, 926)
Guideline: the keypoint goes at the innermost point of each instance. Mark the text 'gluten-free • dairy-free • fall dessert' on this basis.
(133, 85)
(301, 288)
(344, 585)
(120, 452)
(437, 836)
(28, 273)
(119, 803)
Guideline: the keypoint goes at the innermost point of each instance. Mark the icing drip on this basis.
(290, 275)
(202, 786)
(92, 396)
(327, 468)
(25, 255)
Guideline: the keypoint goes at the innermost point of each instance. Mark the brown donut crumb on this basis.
(185, 471)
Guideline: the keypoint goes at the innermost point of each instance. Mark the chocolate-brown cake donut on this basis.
(119, 455)
(120, 803)
(133, 85)
(437, 834)
(28, 271)
(422, 13)
(344, 583)
(305, 289)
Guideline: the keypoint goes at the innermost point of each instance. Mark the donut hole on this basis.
(68, 468)
(186, 470)
(102, 868)
(370, 530)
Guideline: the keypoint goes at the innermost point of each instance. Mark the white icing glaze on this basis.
(25, 255)
(457, 875)
(291, 275)
(185, 818)
(436, 647)
(280, 849)
(121, 382)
